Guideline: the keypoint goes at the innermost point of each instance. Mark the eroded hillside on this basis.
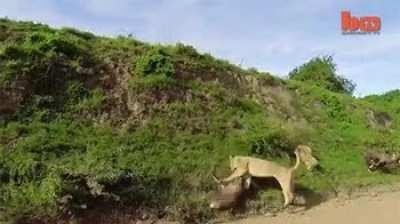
(98, 125)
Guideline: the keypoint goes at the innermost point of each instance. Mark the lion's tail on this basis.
(297, 164)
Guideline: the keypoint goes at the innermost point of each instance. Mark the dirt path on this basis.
(375, 208)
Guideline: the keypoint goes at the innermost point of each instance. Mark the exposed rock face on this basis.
(123, 105)
(114, 80)
(10, 100)
(379, 118)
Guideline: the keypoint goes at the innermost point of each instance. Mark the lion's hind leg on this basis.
(287, 189)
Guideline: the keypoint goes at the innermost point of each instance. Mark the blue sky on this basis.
(270, 36)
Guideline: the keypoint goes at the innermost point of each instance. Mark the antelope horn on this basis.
(218, 181)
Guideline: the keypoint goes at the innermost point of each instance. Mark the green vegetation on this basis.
(321, 71)
(153, 70)
(96, 119)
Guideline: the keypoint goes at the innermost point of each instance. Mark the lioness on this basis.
(242, 165)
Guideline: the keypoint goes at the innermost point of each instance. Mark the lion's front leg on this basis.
(238, 172)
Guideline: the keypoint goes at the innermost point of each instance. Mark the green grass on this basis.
(149, 123)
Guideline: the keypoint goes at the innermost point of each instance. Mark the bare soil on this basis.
(369, 207)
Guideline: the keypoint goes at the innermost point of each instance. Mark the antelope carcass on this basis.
(229, 194)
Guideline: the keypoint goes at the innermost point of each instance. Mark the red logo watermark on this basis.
(362, 25)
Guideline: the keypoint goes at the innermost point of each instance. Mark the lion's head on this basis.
(305, 154)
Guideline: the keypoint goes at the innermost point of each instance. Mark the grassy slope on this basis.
(97, 117)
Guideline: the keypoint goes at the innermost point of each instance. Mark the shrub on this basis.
(271, 145)
(33, 197)
(155, 62)
(154, 70)
(321, 71)
(186, 50)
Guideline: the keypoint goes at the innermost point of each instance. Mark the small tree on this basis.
(321, 71)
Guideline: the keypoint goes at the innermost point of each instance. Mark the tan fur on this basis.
(307, 158)
(241, 165)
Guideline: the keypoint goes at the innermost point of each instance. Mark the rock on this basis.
(300, 200)
(376, 118)
(65, 199)
(269, 214)
(374, 194)
(10, 101)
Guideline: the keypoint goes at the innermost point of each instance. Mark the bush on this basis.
(154, 70)
(271, 145)
(321, 71)
(33, 197)
(155, 62)
(186, 50)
